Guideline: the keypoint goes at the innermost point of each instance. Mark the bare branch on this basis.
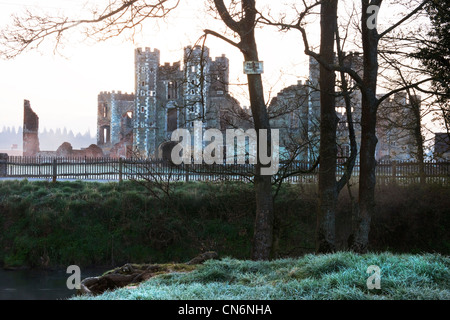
(30, 30)
(218, 35)
(412, 85)
(298, 26)
(226, 17)
(395, 25)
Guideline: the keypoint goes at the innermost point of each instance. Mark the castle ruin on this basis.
(172, 96)
(166, 97)
(30, 130)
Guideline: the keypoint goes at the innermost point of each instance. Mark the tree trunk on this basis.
(326, 217)
(369, 105)
(417, 133)
(263, 232)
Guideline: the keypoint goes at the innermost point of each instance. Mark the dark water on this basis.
(38, 284)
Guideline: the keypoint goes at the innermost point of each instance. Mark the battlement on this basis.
(353, 53)
(195, 52)
(147, 50)
(222, 59)
(117, 95)
(195, 48)
(170, 67)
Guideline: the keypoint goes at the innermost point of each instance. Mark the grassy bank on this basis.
(337, 276)
(106, 224)
(45, 224)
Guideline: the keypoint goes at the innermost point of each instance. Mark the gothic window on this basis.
(105, 110)
(104, 135)
(172, 90)
(172, 119)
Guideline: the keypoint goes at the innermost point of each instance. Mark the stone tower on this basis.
(174, 96)
(30, 130)
(146, 84)
(196, 88)
(171, 96)
(219, 76)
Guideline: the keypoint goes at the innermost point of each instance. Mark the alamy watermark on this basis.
(73, 281)
(374, 280)
(373, 18)
(240, 147)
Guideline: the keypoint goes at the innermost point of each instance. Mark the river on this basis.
(38, 284)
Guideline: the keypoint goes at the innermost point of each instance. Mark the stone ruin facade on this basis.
(30, 130)
(172, 96)
(166, 97)
(115, 123)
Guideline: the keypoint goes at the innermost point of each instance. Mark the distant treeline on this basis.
(49, 140)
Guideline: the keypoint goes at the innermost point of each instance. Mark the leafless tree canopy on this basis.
(29, 30)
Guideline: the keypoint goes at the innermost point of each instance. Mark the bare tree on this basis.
(367, 82)
(244, 27)
(326, 218)
(329, 188)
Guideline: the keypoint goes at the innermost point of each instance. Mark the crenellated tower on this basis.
(146, 84)
(196, 87)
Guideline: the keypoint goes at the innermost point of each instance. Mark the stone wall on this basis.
(30, 130)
